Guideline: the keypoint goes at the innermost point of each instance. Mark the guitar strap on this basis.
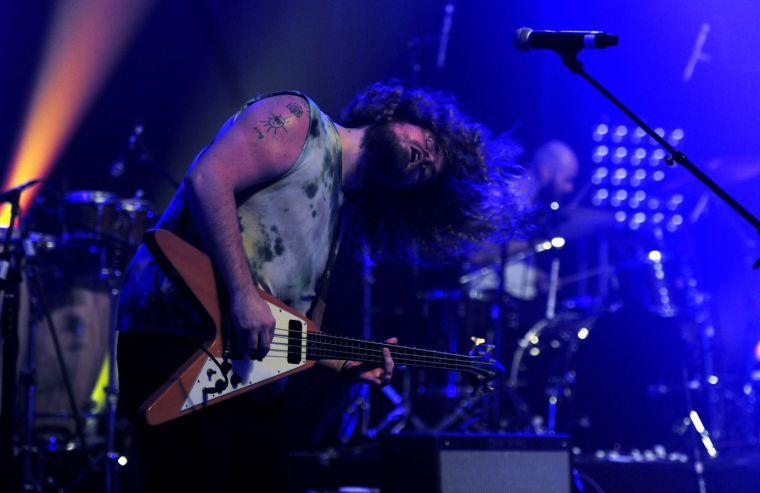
(317, 311)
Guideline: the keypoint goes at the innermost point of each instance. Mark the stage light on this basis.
(675, 201)
(637, 135)
(712, 379)
(620, 216)
(534, 351)
(122, 461)
(554, 206)
(697, 422)
(602, 193)
(600, 132)
(621, 173)
(677, 219)
(658, 175)
(543, 246)
(639, 174)
(676, 136)
(620, 153)
(558, 242)
(640, 195)
(83, 45)
(583, 333)
(639, 217)
(655, 256)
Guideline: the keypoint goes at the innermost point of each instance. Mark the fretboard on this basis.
(327, 346)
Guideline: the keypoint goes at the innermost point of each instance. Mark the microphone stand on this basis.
(10, 278)
(570, 60)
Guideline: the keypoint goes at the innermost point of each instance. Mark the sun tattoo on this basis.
(276, 122)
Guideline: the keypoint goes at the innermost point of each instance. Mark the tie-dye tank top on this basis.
(287, 227)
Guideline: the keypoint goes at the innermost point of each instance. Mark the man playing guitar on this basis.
(264, 201)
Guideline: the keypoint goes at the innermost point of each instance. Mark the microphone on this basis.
(527, 39)
(13, 193)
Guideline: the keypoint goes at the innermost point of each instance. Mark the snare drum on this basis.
(90, 215)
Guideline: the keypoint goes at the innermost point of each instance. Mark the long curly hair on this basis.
(470, 202)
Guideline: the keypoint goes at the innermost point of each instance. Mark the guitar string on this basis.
(366, 351)
(379, 362)
(341, 353)
(349, 340)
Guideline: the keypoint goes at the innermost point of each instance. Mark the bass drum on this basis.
(79, 305)
(617, 380)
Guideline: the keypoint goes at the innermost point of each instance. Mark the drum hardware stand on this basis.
(112, 278)
(358, 411)
(10, 280)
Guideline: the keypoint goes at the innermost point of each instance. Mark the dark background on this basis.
(192, 63)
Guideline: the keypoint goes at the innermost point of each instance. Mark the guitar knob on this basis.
(235, 379)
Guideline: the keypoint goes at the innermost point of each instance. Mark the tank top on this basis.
(287, 227)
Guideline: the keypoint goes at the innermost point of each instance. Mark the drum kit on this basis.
(72, 249)
(601, 338)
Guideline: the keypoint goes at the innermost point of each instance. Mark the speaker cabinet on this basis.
(463, 463)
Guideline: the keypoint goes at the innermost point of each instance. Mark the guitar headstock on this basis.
(485, 367)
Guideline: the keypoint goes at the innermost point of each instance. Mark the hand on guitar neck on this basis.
(378, 375)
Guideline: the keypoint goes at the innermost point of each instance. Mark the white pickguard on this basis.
(251, 371)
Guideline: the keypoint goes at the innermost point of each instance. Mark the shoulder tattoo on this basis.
(295, 109)
(276, 122)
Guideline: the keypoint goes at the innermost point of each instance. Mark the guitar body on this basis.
(210, 376)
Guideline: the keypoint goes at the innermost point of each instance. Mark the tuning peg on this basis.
(477, 341)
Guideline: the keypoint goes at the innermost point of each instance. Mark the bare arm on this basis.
(261, 146)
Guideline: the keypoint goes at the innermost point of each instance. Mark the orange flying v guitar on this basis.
(211, 375)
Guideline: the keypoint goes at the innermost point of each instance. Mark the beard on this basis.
(383, 160)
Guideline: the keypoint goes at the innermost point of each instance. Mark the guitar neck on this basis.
(327, 346)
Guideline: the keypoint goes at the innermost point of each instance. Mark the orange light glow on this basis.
(85, 41)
